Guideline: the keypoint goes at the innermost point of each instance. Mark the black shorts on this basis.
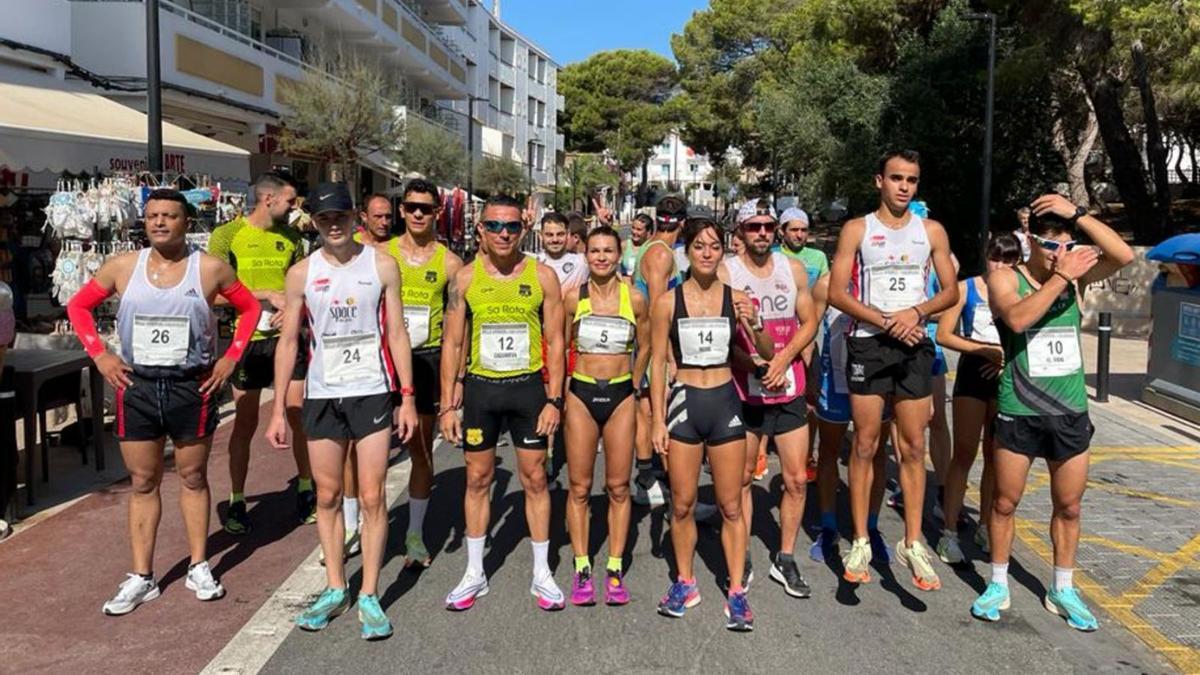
(492, 405)
(882, 365)
(601, 397)
(166, 406)
(970, 382)
(347, 419)
(775, 419)
(427, 380)
(709, 416)
(256, 370)
(1055, 438)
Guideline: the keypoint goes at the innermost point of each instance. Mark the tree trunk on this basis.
(1156, 154)
(1178, 141)
(1104, 91)
(1075, 153)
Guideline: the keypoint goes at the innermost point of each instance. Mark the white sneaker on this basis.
(133, 591)
(948, 549)
(549, 596)
(200, 580)
(471, 587)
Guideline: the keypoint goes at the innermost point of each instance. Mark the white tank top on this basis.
(571, 268)
(834, 325)
(891, 269)
(775, 297)
(348, 353)
(166, 332)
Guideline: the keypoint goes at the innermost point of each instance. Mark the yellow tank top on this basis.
(603, 334)
(423, 288)
(506, 323)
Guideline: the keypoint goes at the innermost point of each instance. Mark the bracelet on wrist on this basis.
(1064, 277)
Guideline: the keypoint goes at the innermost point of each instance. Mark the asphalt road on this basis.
(886, 626)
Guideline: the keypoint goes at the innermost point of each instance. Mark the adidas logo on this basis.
(734, 422)
(191, 293)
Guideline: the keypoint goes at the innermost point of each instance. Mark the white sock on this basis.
(1000, 574)
(541, 549)
(350, 513)
(1063, 578)
(475, 554)
(416, 514)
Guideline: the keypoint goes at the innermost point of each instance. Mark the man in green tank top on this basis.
(512, 301)
(1042, 404)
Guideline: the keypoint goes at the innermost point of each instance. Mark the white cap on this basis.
(751, 210)
(793, 213)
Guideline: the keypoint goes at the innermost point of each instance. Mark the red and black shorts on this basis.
(157, 407)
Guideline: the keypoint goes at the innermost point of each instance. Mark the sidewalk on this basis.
(58, 572)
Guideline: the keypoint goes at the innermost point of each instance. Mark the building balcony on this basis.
(508, 75)
(446, 12)
(507, 124)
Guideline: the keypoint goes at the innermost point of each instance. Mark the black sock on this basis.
(148, 577)
(783, 557)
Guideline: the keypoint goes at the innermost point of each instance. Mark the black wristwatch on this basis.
(557, 402)
(1079, 213)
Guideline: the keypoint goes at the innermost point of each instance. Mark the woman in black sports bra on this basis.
(696, 322)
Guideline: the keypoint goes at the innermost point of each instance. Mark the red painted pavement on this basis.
(55, 576)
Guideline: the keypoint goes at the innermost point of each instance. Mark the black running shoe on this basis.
(236, 519)
(787, 573)
(306, 506)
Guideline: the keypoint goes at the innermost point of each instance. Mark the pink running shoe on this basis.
(615, 592)
(583, 593)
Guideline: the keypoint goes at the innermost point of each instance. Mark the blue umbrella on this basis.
(1183, 248)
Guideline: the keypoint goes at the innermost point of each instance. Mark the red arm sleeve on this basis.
(248, 311)
(79, 311)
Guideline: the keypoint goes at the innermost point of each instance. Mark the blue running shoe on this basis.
(825, 547)
(679, 598)
(331, 603)
(1067, 604)
(989, 605)
(879, 549)
(738, 616)
(375, 624)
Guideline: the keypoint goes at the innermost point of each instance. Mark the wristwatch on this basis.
(557, 402)
(1079, 213)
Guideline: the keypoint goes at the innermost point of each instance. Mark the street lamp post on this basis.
(471, 148)
(154, 148)
(985, 210)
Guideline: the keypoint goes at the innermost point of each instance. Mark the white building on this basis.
(223, 61)
(678, 168)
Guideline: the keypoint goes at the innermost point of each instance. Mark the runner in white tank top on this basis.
(773, 405)
(167, 379)
(350, 296)
(878, 279)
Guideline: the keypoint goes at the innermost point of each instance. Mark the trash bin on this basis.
(1173, 373)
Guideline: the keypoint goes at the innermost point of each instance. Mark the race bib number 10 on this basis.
(1054, 351)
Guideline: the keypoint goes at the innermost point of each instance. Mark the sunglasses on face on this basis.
(752, 228)
(498, 226)
(419, 207)
(1052, 245)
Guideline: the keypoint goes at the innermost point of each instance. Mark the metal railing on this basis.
(218, 27)
(413, 8)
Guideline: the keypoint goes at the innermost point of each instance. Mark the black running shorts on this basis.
(601, 397)
(709, 416)
(775, 419)
(166, 406)
(256, 370)
(492, 405)
(882, 365)
(970, 382)
(349, 418)
(1055, 438)
(427, 379)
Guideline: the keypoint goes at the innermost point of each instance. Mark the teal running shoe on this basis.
(375, 624)
(332, 602)
(1067, 604)
(989, 605)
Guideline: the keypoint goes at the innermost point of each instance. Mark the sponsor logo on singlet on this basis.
(321, 285)
(524, 290)
(878, 240)
(280, 247)
(431, 276)
(342, 312)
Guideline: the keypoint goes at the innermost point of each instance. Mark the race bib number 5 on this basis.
(704, 342)
(1054, 351)
(603, 335)
(350, 358)
(504, 347)
(160, 340)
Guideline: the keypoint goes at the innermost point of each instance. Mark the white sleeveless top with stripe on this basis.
(166, 332)
(348, 353)
(891, 269)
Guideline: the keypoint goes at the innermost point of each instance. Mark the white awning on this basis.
(59, 130)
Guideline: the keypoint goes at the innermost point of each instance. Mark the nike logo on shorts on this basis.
(529, 440)
(379, 419)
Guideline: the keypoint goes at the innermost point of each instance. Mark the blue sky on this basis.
(572, 30)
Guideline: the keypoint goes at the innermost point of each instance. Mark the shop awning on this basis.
(58, 130)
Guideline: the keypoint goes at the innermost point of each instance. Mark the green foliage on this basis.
(582, 177)
(434, 153)
(500, 176)
(340, 110)
(619, 101)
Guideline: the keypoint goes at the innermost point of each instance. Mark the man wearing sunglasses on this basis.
(772, 392)
(1042, 403)
(656, 272)
(879, 278)
(513, 301)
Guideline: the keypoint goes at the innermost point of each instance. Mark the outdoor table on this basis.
(25, 372)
